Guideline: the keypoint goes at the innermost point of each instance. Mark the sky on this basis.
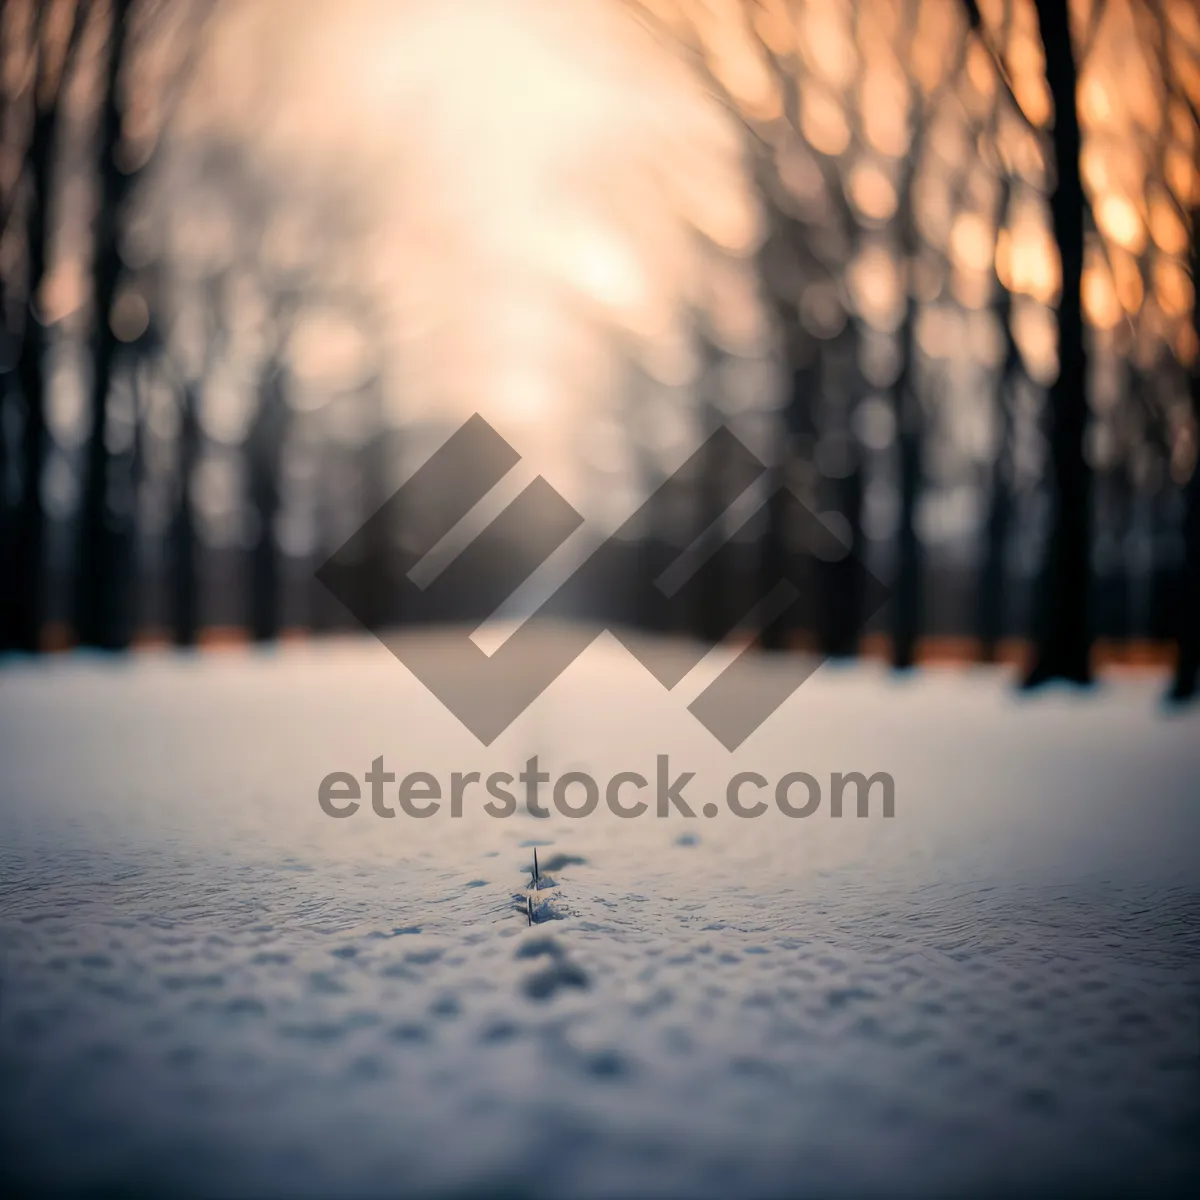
(542, 213)
(545, 205)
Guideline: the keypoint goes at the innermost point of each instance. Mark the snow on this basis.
(207, 983)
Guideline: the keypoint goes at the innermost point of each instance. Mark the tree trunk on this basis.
(22, 600)
(993, 593)
(1063, 636)
(265, 453)
(839, 614)
(906, 406)
(777, 552)
(7, 344)
(846, 584)
(993, 578)
(27, 586)
(185, 575)
(907, 598)
(773, 550)
(1187, 675)
(127, 592)
(376, 457)
(711, 616)
(97, 622)
(7, 512)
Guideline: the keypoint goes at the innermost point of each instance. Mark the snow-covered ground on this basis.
(206, 984)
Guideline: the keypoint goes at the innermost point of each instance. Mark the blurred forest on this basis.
(934, 260)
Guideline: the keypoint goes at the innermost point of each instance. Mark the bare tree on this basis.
(1063, 635)
(96, 620)
(53, 33)
(132, 29)
(993, 577)
(1187, 675)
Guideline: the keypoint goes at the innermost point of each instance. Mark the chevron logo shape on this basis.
(488, 692)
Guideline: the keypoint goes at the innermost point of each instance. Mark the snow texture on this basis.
(208, 985)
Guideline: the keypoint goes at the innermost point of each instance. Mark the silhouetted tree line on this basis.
(840, 360)
(1063, 622)
(43, 48)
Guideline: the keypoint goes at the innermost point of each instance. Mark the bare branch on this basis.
(978, 28)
